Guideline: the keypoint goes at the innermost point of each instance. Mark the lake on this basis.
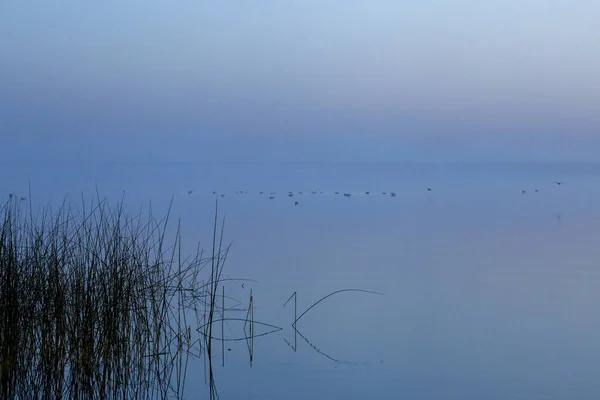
(485, 286)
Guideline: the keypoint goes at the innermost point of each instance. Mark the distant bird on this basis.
(558, 183)
(271, 197)
(295, 203)
(299, 192)
(290, 194)
(429, 190)
(337, 192)
(189, 191)
(313, 192)
(367, 192)
(10, 195)
(213, 192)
(384, 193)
(242, 285)
(261, 192)
(346, 194)
(223, 195)
(523, 191)
(536, 190)
(23, 198)
(393, 194)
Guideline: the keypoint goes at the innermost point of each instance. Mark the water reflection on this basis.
(248, 331)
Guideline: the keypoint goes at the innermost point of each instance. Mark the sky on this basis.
(326, 80)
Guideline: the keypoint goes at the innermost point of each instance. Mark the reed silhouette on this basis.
(95, 304)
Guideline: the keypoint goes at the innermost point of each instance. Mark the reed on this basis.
(94, 303)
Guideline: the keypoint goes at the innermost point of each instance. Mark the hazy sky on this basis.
(301, 80)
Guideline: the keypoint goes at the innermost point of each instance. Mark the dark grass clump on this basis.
(94, 304)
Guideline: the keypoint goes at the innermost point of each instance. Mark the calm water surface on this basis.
(487, 292)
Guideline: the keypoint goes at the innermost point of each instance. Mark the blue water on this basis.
(487, 292)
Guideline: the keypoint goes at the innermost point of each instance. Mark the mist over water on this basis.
(487, 291)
